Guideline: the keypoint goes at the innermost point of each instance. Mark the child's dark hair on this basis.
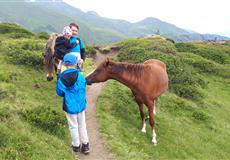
(74, 24)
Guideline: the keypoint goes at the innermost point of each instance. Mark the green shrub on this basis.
(42, 35)
(200, 115)
(174, 104)
(205, 65)
(24, 51)
(152, 44)
(90, 51)
(185, 47)
(212, 52)
(183, 80)
(32, 45)
(19, 35)
(132, 54)
(26, 57)
(13, 28)
(188, 91)
(47, 119)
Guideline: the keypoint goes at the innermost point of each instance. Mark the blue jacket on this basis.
(79, 48)
(71, 86)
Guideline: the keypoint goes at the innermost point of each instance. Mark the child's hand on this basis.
(80, 62)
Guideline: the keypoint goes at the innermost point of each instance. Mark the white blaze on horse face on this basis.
(144, 127)
(90, 73)
(154, 140)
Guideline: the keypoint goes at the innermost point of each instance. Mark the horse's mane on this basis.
(136, 70)
(49, 51)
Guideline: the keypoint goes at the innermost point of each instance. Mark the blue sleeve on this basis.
(59, 91)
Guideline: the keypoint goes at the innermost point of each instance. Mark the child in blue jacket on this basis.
(71, 86)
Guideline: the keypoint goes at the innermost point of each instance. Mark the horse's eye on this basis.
(97, 70)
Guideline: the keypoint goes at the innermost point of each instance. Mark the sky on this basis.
(203, 16)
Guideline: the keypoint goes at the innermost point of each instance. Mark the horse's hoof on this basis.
(143, 130)
(154, 141)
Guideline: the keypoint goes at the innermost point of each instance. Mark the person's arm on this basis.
(82, 49)
(83, 54)
(58, 90)
(70, 45)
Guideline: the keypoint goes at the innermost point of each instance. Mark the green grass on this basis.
(185, 130)
(21, 139)
(187, 127)
(33, 125)
(192, 119)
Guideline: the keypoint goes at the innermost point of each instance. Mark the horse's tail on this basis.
(49, 52)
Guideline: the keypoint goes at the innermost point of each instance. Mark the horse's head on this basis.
(101, 73)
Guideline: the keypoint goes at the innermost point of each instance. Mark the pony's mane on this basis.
(49, 51)
(134, 69)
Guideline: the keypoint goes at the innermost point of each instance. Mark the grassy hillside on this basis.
(33, 125)
(192, 120)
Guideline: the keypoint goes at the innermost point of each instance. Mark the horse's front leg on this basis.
(152, 122)
(141, 109)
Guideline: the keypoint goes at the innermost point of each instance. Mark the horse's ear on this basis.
(107, 62)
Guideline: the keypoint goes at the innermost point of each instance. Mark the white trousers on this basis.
(77, 126)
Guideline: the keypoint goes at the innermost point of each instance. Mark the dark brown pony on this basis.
(50, 61)
(147, 82)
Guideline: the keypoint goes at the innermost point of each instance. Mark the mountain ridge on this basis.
(51, 16)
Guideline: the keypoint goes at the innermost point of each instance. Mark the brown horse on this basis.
(147, 82)
(50, 61)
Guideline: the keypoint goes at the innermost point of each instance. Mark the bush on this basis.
(205, 65)
(26, 52)
(6, 28)
(152, 44)
(43, 35)
(47, 119)
(132, 54)
(183, 80)
(31, 58)
(212, 52)
(187, 91)
(90, 51)
(200, 115)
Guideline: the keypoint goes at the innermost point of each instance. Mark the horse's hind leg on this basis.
(154, 106)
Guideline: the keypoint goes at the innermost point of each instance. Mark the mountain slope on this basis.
(51, 16)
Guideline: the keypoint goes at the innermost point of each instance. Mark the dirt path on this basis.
(98, 150)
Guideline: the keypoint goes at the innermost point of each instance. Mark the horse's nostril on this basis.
(49, 78)
(88, 82)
